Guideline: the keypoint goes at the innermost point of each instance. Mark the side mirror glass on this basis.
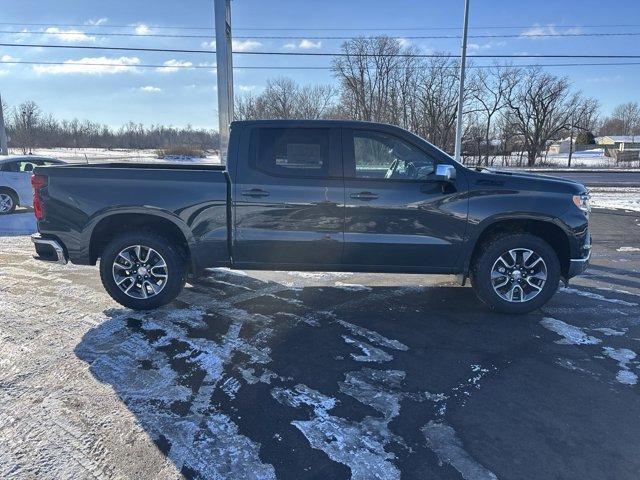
(445, 173)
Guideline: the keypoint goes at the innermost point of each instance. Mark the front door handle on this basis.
(255, 192)
(366, 196)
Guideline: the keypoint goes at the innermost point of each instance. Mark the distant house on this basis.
(619, 142)
(559, 147)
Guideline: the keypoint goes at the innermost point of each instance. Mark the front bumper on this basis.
(579, 265)
(49, 249)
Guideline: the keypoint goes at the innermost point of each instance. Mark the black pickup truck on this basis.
(315, 195)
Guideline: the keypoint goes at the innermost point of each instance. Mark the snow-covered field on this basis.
(94, 155)
(594, 158)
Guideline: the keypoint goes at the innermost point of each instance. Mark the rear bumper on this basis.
(579, 265)
(49, 249)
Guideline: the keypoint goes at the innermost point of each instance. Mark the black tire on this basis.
(489, 254)
(13, 198)
(173, 257)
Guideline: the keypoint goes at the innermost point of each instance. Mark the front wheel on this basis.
(516, 273)
(142, 271)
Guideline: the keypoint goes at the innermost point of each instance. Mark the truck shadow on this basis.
(236, 378)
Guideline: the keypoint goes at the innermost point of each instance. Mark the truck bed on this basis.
(194, 199)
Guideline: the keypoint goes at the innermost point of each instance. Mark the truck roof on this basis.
(314, 123)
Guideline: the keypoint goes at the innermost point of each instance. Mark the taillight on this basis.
(38, 181)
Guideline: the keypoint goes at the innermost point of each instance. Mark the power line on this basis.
(314, 54)
(315, 29)
(281, 67)
(453, 37)
(313, 37)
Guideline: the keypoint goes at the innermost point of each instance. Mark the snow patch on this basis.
(628, 199)
(352, 287)
(628, 249)
(370, 353)
(442, 439)
(358, 445)
(623, 356)
(373, 337)
(571, 334)
(597, 296)
(610, 331)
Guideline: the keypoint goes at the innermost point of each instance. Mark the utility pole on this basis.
(3, 132)
(463, 61)
(224, 66)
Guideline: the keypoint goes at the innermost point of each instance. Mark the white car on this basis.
(15, 180)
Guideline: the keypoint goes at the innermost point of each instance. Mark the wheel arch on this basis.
(542, 227)
(109, 226)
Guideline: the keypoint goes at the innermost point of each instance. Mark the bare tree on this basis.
(624, 120)
(543, 107)
(25, 121)
(368, 74)
(489, 89)
(284, 98)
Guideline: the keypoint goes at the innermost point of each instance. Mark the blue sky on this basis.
(115, 95)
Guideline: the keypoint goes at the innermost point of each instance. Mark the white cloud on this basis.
(236, 45)
(474, 47)
(8, 58)
(244, 45)
(404, 42)
(150, 89)
(91, 66)
(97, 22)
(304, 44)
(537, 31)
(247, 88)
(604, 79)
(69, 35)
(142, 29)
(173, 66)
(307, 44)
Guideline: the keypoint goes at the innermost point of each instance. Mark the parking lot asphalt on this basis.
(321, 376)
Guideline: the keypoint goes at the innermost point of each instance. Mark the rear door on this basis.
(396, 214)
(289, 197)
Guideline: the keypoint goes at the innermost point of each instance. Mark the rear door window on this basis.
(293, 152)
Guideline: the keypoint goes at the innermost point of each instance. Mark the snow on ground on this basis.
(95, 155)
(616, 198)
(21, 223)
(594, 158)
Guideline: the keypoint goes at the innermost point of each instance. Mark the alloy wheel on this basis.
(6, 202)
(140, 271)
(518, 275)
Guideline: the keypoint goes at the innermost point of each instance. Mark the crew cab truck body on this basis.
(319, 196)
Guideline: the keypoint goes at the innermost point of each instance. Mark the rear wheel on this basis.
(8, 202)
(142, 271)
(516, 273)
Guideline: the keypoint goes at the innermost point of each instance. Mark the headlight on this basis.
(582, 202)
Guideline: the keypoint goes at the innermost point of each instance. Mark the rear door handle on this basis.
(364, 196)
(255, 192)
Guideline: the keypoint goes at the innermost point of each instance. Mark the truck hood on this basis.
(536, 181)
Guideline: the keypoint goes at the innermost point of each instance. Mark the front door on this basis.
(289, 198)
(396, 214)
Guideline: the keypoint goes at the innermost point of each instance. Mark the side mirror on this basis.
(445, 173)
